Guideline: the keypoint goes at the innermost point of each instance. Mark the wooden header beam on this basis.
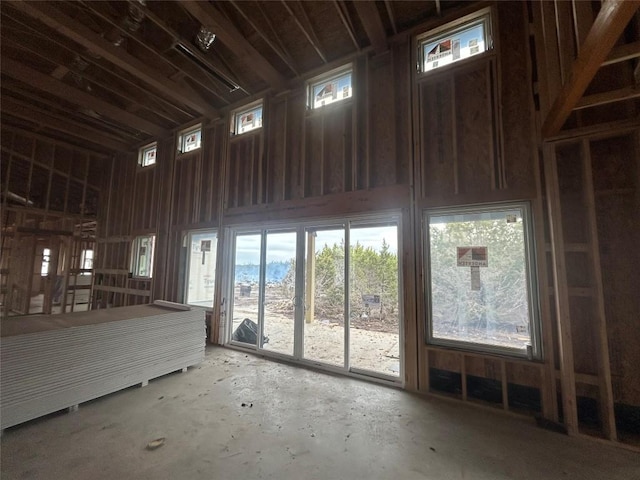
(93, 42)
(40, 81)
(232, 38)
(611, 21)
(368, 13)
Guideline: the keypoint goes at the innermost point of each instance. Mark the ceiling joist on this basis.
(53, 122)
(368, 13)
(606, 30)
(93, 42)
(50, 85)
(228, 34)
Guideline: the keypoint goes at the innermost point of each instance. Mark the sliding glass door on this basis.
(321, 293)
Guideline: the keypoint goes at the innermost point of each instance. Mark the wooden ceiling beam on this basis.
(225, 76)
(93, 42)
(346, 21)
(50, 85)
(75, 129)
(368, 13)
(228, 34)
(307, 29)
(612, 19)
(392, 19)
(280, 52)
(55, 107)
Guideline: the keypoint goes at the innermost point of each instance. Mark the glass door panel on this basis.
(246, 289)
(324, 295)
(374, 323)
(280, 284)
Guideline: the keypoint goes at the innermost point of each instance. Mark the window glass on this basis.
(87, 261)
(480, 292)
(46, 260)
(201, 273)
(190, 140)
(142, 256)
(247, 120)
(454, 44)
(147, 155)
(330, 90)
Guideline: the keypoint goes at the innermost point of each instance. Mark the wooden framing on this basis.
(368, 13)
(94, 43)
(231, 37)
(608, 25)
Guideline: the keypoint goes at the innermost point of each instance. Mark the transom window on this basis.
(190, 139)
(147, 155)
(247, 119)
(481, 279)
(455, 41)
(330, 88)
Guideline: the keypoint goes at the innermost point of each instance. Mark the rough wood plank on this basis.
(562, 296)
(370, 18)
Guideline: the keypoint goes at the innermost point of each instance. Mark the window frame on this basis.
(334, 74)
(534, 350)
(236, 115)
(182, 139)
(142, 152)
(483, 16)
(134, 266)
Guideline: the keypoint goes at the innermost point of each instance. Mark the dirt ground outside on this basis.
(369, 348)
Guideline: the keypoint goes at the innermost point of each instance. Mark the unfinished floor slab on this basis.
(295, 423)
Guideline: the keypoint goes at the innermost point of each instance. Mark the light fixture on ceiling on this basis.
(205, 39)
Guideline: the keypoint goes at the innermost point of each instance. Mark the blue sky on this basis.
(281, 246)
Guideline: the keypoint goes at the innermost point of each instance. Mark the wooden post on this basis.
(567, 372)
(604, 368)
(310, 284)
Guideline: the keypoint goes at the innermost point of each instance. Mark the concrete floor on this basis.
(302, 425)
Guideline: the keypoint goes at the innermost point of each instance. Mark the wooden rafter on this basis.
(608, 26)
(305, 28)
(280, 52)
(346, 21)
(368, 13)
(54, 122)
(392, 18)
(226, 76)
(234, 40)
(77, 32)
(55, 87)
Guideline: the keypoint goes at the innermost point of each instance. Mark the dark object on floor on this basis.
(247, 332)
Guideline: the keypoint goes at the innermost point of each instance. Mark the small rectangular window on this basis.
(86, 261)
(330, 88)
(142, 256)
(481, 279)
(246, 120)
(147, 155)
(455, 41)
(190, 139)
(201, 268)
(46, 260)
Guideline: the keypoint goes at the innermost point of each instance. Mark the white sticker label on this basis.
(475, 278)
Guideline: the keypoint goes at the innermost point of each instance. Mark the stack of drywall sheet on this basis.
(52, 362)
